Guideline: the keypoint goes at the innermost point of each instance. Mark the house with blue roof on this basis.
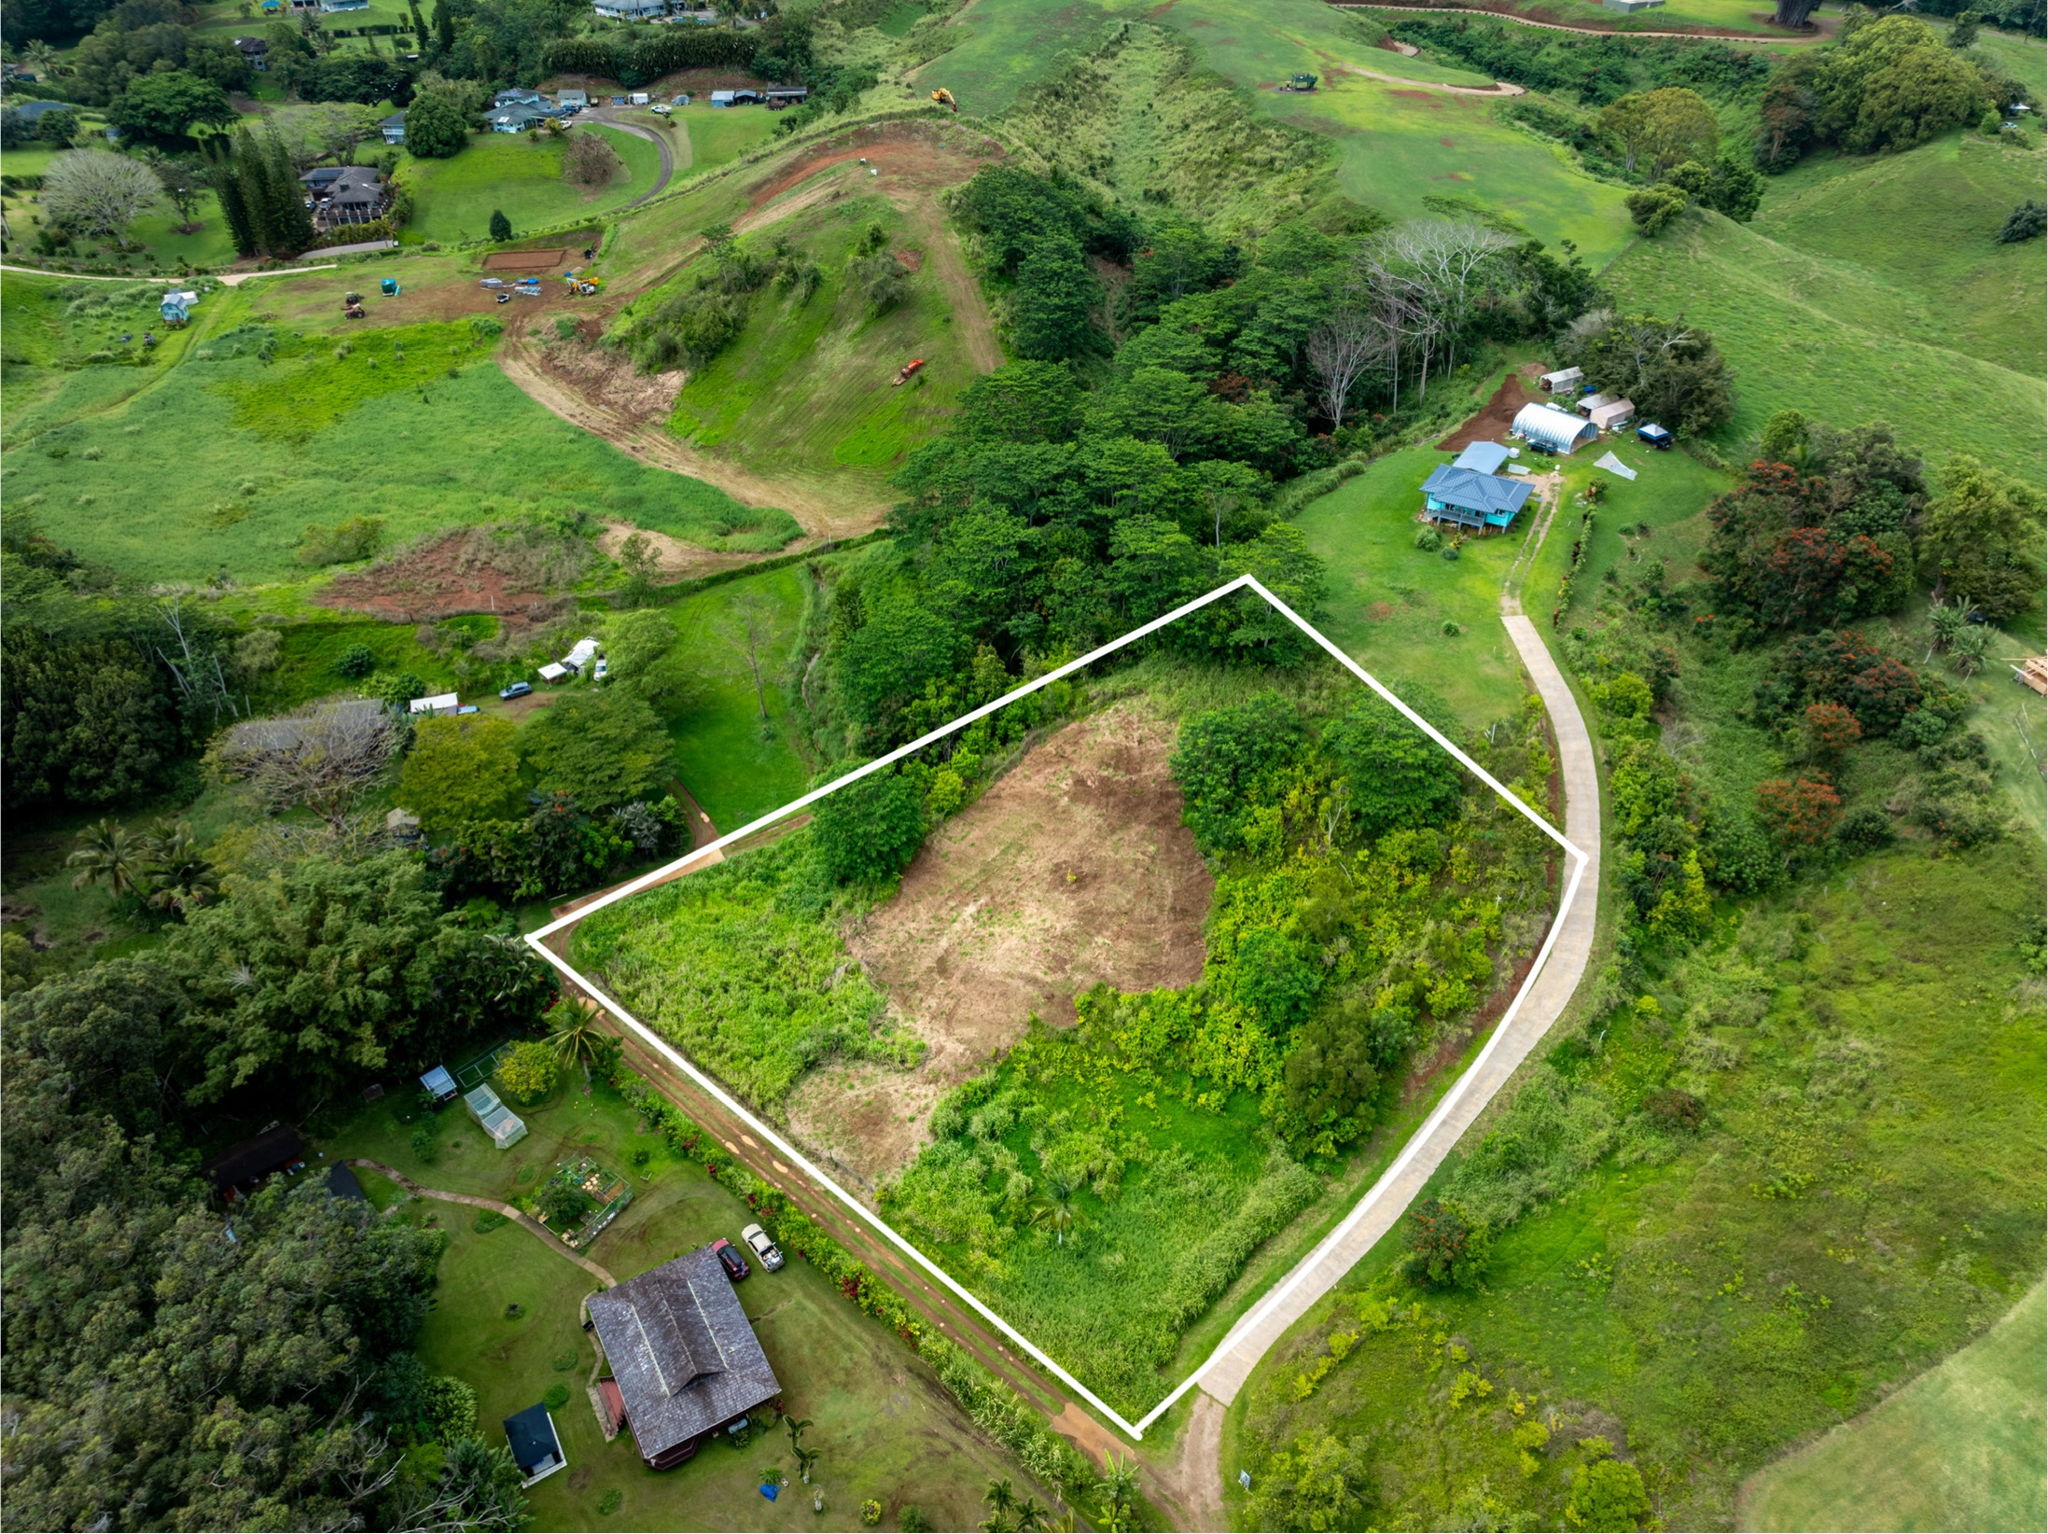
(1470, 493)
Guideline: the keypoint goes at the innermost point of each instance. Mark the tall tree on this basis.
(1662, 128)
(98, 194)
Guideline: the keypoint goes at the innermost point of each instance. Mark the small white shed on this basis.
(1565, 381)
(582, 655)
(439, 703)
(505, 1127)
(553, 671)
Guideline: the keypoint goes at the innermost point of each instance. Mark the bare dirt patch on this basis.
(929, 156)
(1073, 870)
(1492, 422)
(606, 376)
(674, 559)
(480, 570)
(552, 259)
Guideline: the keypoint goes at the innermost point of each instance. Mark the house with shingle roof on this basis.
(684, 1358)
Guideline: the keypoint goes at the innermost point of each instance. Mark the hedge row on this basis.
(637, 57)
(993, 1405)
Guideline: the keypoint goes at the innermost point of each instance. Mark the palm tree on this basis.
(180, 879)
(805, 1458)
(1967, 650)
(1000, 1499)
(1115, 1489)
(1057, 1213)
(577, 1040)
(794, 1426)
(1031, 1516)
(41, 59)
(108, 852)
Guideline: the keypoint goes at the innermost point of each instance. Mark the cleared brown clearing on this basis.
(1073, 870)
(548, 260)
(1492, 423)
(463, 572)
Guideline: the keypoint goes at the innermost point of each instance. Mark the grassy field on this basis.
(155, 240)
(884, 1426)
(735, 764)
(1397, 147)
(1959, 1447)
(1863, 339)
(806, 386)
(1923, 225)
(262, 449)
(1863, 1196)
(454, 198)
(718, 137)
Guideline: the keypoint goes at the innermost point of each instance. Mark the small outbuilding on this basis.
(439, 703)
(1564, 381)
(1557, 431)
(536, 1446)
(1482, 457)
(581, 655)
(393, 128)
(240, 1169)
(438, 1085)
(1655, 435)
(553, 671)
(505, 1127)
(1612, 414)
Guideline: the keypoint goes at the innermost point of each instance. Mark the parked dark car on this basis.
(516, 690)
(728, 1258)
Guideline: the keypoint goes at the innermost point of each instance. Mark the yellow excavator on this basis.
(945, 99)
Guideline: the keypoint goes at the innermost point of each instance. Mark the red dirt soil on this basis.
(552, 259)
(932, 156)
(441, 580)
(1492, 423)
(1073, 870)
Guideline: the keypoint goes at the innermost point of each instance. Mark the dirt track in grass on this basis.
(1072, 870)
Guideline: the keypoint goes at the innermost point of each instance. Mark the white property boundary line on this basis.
(537, 940)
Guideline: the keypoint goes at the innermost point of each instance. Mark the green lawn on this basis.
(884, 1426)
(718, 137)
(1850, 341)
(736, 765)
(223, 464)
(1959, 1447)
(453, 199)
(154, 242)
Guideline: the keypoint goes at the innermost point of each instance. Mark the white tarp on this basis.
(1614, 465)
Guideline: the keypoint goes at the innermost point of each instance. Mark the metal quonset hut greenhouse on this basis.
(1548, 427)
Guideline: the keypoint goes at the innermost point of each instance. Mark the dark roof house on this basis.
(683, 1355)
(1472, 498)
(536, 1446)
(238, 1169)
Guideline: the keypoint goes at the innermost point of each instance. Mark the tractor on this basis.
(1301, 83)
(945, 99)
(905, 373)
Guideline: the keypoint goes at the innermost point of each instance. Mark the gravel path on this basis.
(526, 1220)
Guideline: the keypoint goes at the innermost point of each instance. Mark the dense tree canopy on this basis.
(603, 748)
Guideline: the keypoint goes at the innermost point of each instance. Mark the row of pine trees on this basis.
(260, 196)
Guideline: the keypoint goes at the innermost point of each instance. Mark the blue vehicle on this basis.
(516, 690)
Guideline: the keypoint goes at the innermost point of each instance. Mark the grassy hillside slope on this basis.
(1960, 1447)
(1836, 339)
(1924, 225)
(1396, 146)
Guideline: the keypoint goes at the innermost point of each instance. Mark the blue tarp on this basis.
(770, 1490)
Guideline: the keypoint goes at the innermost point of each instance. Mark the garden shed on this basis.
(505, 1127)
(439, 703)
(536, 1446)
(1564, 381)
(1548, 427)
(438, 1085)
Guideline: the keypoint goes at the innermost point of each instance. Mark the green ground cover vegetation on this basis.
(792, 374)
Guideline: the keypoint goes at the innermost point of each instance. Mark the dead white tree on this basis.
(1339, 351)
(323, 758)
